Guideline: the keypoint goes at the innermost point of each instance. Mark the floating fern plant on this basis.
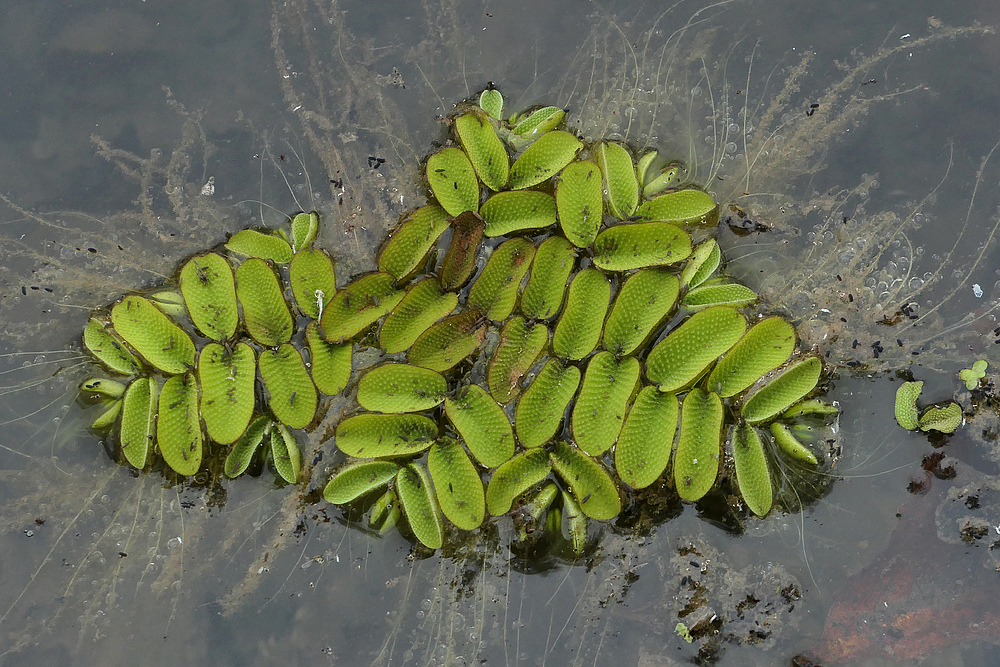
(556, 337)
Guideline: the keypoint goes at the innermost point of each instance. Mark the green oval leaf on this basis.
(554, 261)
(313, 281)
(420, 505)
(291, 392)
(138, 420)
(385, 512)
(608, 386)
(210, 295)
(285, 454)
(669, 177)
(153, 335)
(590, 483)
(579, 327)
(541, 407)
(643, 303)
(544, 159)
(97, 388)
(453, 181)
(790, 445)
(482, 424)
(368, 436)
(514, 478)
(946, 418)
(788, 387)
(460, 260)
(682, 207)
(538, 122)
(265, 312)
(495, 290)
(243, 450)
(719, 294)
(305, 227)
(521, 344)
(491, 101)
(642, 166)
(906, 405)
(696, 463)
(397, 388)
(619, 178)
(357, 479)
(577, 521)
(178, 428)
(108, 417)
(647, 438)
(638, 245)
(681, 357)
(449, 342)
(330, 363)
(705, 259)
(261, 245)
(108, 348)
(485, 150)
(580, 202)
(456, 481)
(171, 302)
(518, 211)
(359, 305)
(408, 245)
(752, 475)
(227, 380)
(423, 305)
(767, 345)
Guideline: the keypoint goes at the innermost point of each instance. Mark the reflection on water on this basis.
(877, 200)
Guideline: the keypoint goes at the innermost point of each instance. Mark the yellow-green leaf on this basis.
(590, 483)
(108, 348)
(485, 150)
(579, 327)
(683, 207)
(514, 478)
(108, 416)
(138, 420)
(262, 245)
(313, 281)
(453, 181)
(767, 345)
(495, 290)
(357, 479)
(790, 445)
(330, 363)
(423, 305)
(460, 260)
(305, 227)
(945, 418)
(752, 475)
(291, 392)
(906, 405)
(719, 294)
(491, 101)
(153, 335)
(696, 463)
(285, 454)
(210, 295)
(637, 245)
(643, 303)
(544, 159)
(686, 352)
(227, 380)
(396, 388)
(97, 388)
(599, 413)
(647, 439)
(517, 211)
(521, 344)
(482, 424)
(368, 436)
(554, 261)
(447, 343)
(265, 312)
(705, 259)
(178, 428)
(619, 178)
(408, 245)
(541, 407)
(420, 506)
(788, 387)
(580, 202)
(457, 484)
(359, 305)
(241, 454)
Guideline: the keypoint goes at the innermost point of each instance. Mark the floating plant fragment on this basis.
(681, 357)
(577, 522)
(210, 295)
(485, 150)
(643, 303)
(752, 475)
(495, 290)
(408, 244)
(171, 302)
(788, 387)
(518, 211)
(313, 281)
(357, 479)
(265, 312)
(719, 294)
(491, 101)
(359, 305)
(398, 388)
(449, 342)
(580, 202)
(647, 438)
(369, 436)
(329, 363)
(521, 344)
(599, 413)
(420, 506)
(619, 178)
(138, 420)
(638, 245)
(422, 306)
(767, 345)
(544, 159)
(683, 207)
(108, 348)
(178, 428)
(531, 126)
(107, 418)
(514, 478)
(578, 330)
(457, 484)
(241, 454)
(482, 424)
(696, 461)
(944, 418)
(542, 405)
(453, 181)
(292, 394)
(226, 378)
(554, 261)
(669, 177)
(907, 415)
(305, 227)
(254, 243)
(790, 445)
(103, 388)
(459, 261)
(972, 376)
(591, 485)
(153, 335)
(285, 454)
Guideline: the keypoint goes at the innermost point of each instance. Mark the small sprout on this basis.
(682, 630)
(972, 376)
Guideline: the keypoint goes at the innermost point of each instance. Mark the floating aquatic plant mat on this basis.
(551, 336)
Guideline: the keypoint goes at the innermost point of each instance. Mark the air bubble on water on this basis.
(731, 147)
(870, 283)
(957, 274)
(696, 91)
(173, 543)
(884, 296)
(733, 127)
(425, 604)
(915, 282)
